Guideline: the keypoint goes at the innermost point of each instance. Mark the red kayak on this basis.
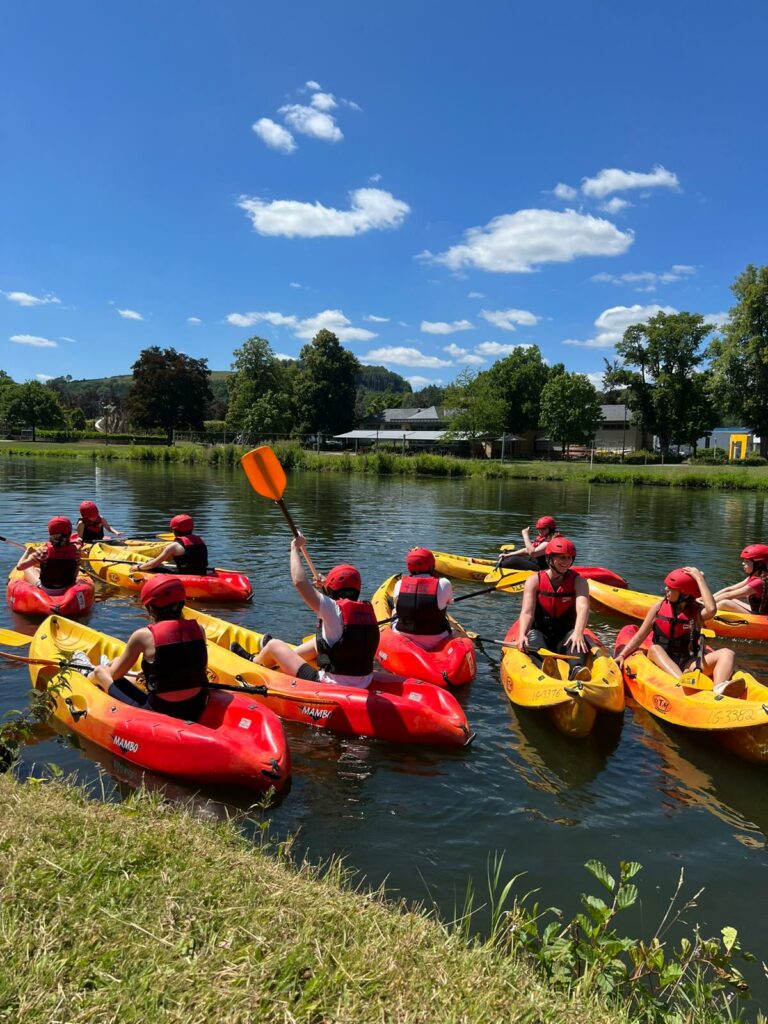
(28, 599)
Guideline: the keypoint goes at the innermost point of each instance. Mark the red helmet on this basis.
(60, 524)
(561, 546)
(546, 523)
(755, 552)
(344, 577)
(681, 580)
(162, 590)
(420, 560)
(182, 524)
(89, 510)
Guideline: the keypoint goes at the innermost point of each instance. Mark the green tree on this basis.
(570, 409)
(271, 413)
(76, 418)
(256, 371)
(169, 390)
(432, 394)
(325, 386)
(30, 405)
(663, 390)
(474, 406)
(740, 357)
(519, 380)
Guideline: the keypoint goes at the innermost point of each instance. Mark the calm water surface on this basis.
(426, 821)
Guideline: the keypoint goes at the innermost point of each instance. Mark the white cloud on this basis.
(43, 377)
(421, 382)
(373, 319)
(611, 179)
(312, 85)
(717, 319)
(194, 321)
(566, 192)
(329, 319)
(274, 135)
(249, 319)
(683, 268)
(596, 379)
(463, 355)
(612, 323)
(33, 340)
(25, 299)
(646, 280)
(294, 284)
(374, 178)
(285, 358)
(351, 104)
(370, 209)
(506, 319)
(519, 242)
(309, 121)
(324, 101)
(72, 340)
(495, 348)
(475, 295)
(440, 327)
(130, 314)
(400, 355)
(615, 205)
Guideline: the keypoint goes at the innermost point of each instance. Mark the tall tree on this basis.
(519, 380)
(256, 371)
(475, 407)
(570, 409)
(31, 405)
(663, 389)
(169, 390)
(325, 388)
(740, 357)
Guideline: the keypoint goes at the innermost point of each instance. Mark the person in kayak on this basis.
(751, 595)
(347, 635)
(91, 526)
(555, 611)
(676, 622)
(55, 565)
(533, 553)
(420, 601)
(174, 657)
(187, 551)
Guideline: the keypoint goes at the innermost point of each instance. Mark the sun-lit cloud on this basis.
(596, 379)
(517, 243)
(370, 209)
(373, 319)
(249, 319)
(613, 322)
(194, 321)
(614, 205)
(374, 179)
(565, 192)
(507, 319)
(475, 295)
(717, 319)
(312, 85)
(72, 341)
(43, 377)
(285, 358)
(274, 135)
(130, 314)
(646, 280)
(496, 348)
(324, 101)
(463, 355)
(418, 382)
(33, 340)
(329, 319)
(25, 299)
(317, 124)
(401, 355)
(441, 327)
(611, 179)
(294, 284)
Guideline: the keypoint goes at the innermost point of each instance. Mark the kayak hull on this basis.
(28, 599)
(573, 713)
(462, 567)
(219, 585)
(452, 663)
(739, 723)
(236, 741)
(399, 711)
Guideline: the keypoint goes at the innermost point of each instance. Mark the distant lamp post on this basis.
(624, 434)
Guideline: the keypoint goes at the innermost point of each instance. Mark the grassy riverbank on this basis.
(292, 456)
(138, 912)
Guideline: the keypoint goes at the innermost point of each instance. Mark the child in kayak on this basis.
(420, 601)
(174, 657)
(555, 610)
(533, 554)
(751, 595)
(91, 525)
(347, 635)
(56, 564)
(187, 551)
(676, 622)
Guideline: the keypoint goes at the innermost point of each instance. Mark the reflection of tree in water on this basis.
(697, 772)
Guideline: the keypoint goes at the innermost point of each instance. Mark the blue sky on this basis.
(435, 181)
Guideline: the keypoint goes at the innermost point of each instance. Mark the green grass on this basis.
(140, 913)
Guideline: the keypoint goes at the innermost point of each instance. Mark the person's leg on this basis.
(733, 604)
(288, 659)
(32, 575)
(125, 691)
(659, 656)
(536, 639)
(513, 561)
(576, 669)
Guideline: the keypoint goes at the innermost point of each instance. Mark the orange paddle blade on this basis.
(265, 474)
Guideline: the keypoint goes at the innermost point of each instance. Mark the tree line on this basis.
(676, 384)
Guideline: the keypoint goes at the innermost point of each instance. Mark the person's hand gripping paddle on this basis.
(267, 477)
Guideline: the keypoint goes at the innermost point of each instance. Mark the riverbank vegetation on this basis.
(138, 912)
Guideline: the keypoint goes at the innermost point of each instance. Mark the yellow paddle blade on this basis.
(14, 639)
(511, 582)
(695, 680)
(265, 474)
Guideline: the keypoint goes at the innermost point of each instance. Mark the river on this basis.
(426, 821)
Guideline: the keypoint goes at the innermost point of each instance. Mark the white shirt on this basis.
(331, 630)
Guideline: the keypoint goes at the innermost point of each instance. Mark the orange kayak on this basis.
(28, 599)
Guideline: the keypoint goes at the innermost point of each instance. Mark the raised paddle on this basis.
(11, 638)
(267, 477)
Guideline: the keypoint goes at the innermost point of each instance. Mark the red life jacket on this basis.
(93, 529)
(676, 629)
(555, 612)
(195, 558)
(758, 599)
(181, 657)
(60, 566)
(353, 654)
(416, 607)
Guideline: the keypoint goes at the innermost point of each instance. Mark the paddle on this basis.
(13, 639)
(528, 650)
(41, 661)
(267, 477)
(266, 691)
(13, 543)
